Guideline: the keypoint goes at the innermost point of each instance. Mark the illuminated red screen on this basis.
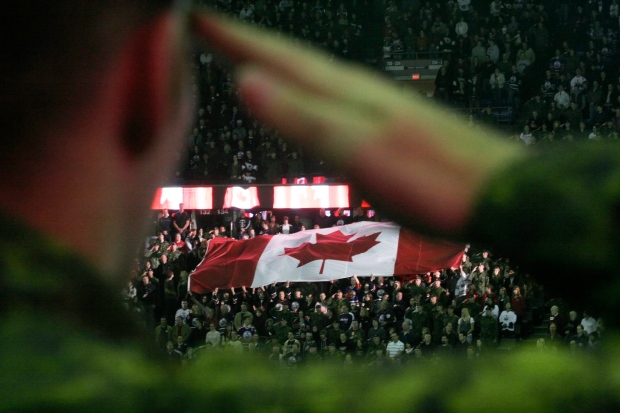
(311, 196)
(191, 197)
(237, 197)
(284, 197)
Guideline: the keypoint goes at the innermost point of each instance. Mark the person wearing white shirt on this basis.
(561, 98)
(588, 323)
(395, 347)
(286, 228)
(461, 28)
(577, 80)
(213, 336)
(183, 312)
(507, 319)
(594, 135)
(526, 136)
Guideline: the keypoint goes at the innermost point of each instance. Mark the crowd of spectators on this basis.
(550, 65)
(463, 311)
(227, 144)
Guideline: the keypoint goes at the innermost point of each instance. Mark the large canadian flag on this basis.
(362, 249)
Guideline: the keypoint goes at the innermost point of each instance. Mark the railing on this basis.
(418, 56)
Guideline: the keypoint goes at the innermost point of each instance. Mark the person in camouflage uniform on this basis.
(489, 329)
(419, 320)
(121, 66)
(281, 330)
(417, 288)
(438, 318)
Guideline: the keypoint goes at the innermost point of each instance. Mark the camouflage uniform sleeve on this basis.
(521, 381)
(556, 214)
(49, 365)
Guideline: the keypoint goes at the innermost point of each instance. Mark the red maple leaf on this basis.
(334, 246)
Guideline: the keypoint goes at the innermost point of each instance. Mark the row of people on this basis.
(342, 346)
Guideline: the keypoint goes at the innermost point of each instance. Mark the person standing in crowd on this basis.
(243, 223)
(165, 225)
(180, 221)
(395, 348)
